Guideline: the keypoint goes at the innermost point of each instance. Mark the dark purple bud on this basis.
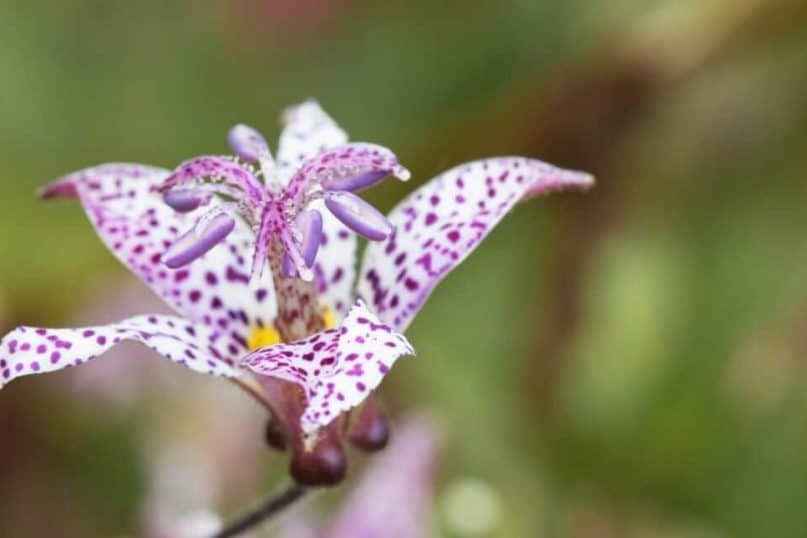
(325, 463)
(247, 143)
(183, 200)
(356, 183)
(192, 245)
(358, 215)
(369, 428)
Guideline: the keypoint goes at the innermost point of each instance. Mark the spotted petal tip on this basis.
(62, 188)
(554, 179)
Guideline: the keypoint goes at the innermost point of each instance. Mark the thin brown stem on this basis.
(263, 512)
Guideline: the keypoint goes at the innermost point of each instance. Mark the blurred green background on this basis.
(625, 362)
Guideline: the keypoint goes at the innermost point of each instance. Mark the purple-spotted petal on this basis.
(438, 225)
(337, 368)
(309, 131)
(135, 224)
(394, 497)
(30, 350)
(353, 166)
(220, 173)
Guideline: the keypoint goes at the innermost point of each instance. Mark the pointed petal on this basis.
(226, 175)
(350, 167)
(30, 350)
(338, 368)
(438, 225)
(395, 494)
(138, 227)
(335, 265)
(309, 131)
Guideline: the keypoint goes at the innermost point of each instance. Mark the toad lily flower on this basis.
(224, 315)
(418, 243)
(314, 355)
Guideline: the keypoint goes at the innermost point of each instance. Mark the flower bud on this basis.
(325, 463)
(368, 428)
(275, 435)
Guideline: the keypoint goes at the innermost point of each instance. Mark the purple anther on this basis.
(309, 225)
(356, 183)
(192, 245)
(247, 143)
(358, 215)
(184, 200)
(287, 269)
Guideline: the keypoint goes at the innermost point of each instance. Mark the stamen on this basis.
(218, 174)
(309, 224)
(358, 215)
(185, 200)
(349, 167)
(192, 245)
(292, 251)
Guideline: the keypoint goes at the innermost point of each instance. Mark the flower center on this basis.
(262, 337)
(269, 336)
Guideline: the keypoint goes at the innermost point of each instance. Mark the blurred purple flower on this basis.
(189, 458)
